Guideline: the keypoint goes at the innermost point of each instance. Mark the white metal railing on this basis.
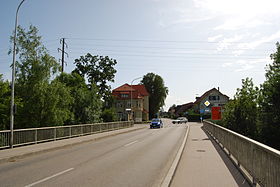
(37, 135)
(260, 161)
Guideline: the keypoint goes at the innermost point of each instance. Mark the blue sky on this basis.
(194, 45)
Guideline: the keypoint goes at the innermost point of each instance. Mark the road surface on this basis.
(139, 158)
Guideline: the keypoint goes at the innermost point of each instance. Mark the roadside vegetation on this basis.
(255, 111)
(46, 97)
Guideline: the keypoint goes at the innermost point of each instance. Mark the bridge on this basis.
(126, 154)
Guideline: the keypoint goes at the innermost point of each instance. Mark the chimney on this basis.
(218, 88)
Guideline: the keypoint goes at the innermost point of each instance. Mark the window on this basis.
(124, 95)
(214, 97)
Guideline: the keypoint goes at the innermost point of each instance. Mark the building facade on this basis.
(132, 102)
(211, 98)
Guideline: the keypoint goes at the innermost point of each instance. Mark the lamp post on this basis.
(13, 81)
(131, 95)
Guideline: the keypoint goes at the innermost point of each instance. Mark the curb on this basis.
(171, 172)
(13, 158)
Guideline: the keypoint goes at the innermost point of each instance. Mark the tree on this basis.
(43, 103)
(157, 90)
(87, 104)
(241, 113)
(5, 98)
(270, 102)
(99, 70)
(109, 115)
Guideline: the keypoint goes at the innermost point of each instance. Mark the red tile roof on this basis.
(138, 91)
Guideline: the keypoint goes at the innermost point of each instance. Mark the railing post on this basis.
(36, 136)
(54, 134)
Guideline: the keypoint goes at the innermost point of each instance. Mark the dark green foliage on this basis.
(256, 112)
(241, 112)
(109, 115)
(99, 70)
(157, 90)
(5, 99)
(86, 107)
(269, 102)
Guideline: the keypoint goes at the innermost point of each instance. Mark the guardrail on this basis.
(260, 161)
(38, 135)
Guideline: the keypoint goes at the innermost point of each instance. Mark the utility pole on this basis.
(62, 41)
(13, 81)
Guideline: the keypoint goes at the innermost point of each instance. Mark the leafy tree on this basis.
(87, 104)
(109, 115)
(43, 103)
(157, 90)
(270, 102)
(241, 113)
(5, 100)
(99, 70)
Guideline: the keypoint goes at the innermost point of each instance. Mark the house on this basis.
(212, 98)
(132, 102)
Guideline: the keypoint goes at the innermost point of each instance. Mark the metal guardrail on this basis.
(260, 161)
(38, 135)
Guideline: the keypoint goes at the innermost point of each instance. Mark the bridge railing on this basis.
(44, 134)
(260, 161)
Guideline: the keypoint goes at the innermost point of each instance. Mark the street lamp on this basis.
(13, 81)
(131, 94)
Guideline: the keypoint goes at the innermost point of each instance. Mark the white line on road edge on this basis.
(131, 143)
(48, 178)
(168, 178)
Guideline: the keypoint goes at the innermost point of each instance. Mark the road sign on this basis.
(207, 103)
(202, 111)
(216, 113)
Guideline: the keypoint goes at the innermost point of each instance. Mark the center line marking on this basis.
(50, 177)
(131, 143)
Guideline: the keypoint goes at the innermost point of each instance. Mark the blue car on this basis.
(156, 123)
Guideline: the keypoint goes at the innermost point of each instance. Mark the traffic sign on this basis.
(207, 103)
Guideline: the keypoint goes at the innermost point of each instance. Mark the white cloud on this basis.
(254, 44)
(226, 42)
(245, 65)
(214, 38)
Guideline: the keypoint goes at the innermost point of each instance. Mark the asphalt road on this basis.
(139, 158)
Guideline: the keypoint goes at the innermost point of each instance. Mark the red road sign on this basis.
(216, 113)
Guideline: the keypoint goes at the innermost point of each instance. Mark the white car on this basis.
(180, 120)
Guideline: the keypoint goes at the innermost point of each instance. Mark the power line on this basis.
(160, 41)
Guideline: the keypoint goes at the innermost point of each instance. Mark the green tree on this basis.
(157, 90)
(87, 104)
(270, 102)
(241, 113)
(109, 115)
(98, 70)
(43, 103)
(5, 99)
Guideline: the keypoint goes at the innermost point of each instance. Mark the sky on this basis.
(194, 45)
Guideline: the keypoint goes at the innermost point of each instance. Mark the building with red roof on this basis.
(132, 102)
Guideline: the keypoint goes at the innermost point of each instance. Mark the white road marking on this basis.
(130, 143)
(50, 177)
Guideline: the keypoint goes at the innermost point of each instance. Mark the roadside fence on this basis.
(261, 162)
(44, 134)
